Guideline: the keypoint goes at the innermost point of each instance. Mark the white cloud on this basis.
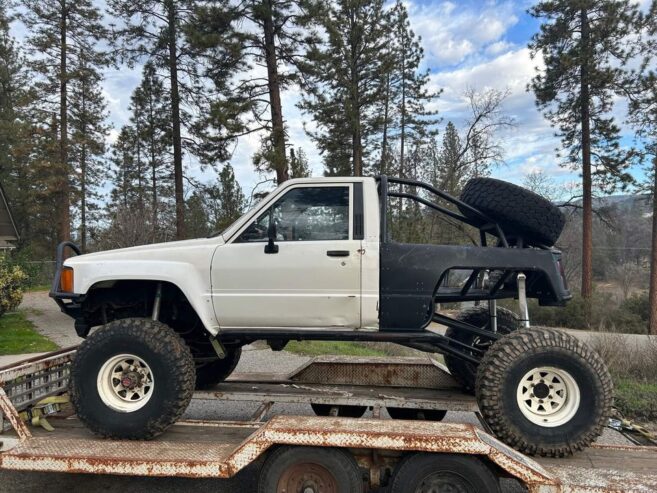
(450, 34)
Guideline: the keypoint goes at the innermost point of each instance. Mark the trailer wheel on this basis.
(544, 392)
(518, 211)
(210, 374)
(465, 372)
(342, 411)
(132, 379)
(310, 470)
(422, 472)
(416, 414)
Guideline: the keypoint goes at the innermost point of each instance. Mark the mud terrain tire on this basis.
(544, 392)
(465, 372)
(119, 361)
(518, 211)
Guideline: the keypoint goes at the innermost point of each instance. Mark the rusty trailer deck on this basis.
(220, 449)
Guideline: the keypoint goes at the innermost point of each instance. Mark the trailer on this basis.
(308, 453)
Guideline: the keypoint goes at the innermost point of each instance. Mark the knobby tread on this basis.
(166, 343)
(465, 373)
(517, 210)
(508, 349)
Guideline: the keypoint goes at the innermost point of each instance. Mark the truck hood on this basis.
(155, 251)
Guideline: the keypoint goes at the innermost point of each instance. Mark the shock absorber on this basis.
(522, 300)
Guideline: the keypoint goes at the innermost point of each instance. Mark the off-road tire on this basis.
(499, 376)
(210, 374)
(342, 466)
(443, 472)
(518, 211)
(172, 366)
(463, 371)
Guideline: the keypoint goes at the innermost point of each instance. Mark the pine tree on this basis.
(584, 46)
(298, 164)
(643, 116)
(344, 81)
(61, 31)
(237, 38)
(406, 96)
(451, 173)
(153, 31)
(151, 121)
(14, 126)
(89, 130)
(229, 197)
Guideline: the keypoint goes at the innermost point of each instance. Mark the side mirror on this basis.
(271, 247)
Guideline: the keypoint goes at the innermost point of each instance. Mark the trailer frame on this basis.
(220, 449)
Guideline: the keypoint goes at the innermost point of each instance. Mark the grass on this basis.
(38, 287)
(17, 336)
(317, 348)
(636, 399)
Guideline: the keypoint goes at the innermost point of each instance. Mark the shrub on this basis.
(12, 281)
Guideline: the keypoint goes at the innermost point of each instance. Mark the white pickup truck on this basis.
(314, 261)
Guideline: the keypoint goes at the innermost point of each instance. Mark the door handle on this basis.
(337, 253)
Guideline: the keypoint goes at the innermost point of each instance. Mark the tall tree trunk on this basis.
(64, 215)
(357, 149)
(384, 143)
(175, 121)
(273, 84)
(587, 206)
(83, 174)
(151, 131)
(652, 297)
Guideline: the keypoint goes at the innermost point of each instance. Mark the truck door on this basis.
(313, 279)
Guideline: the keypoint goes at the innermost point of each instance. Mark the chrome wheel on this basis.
(125, 383)
(548, 396)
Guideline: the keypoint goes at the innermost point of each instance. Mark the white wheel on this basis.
(125, 383)
(548, 396)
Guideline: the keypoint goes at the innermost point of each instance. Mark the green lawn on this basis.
(636, 399)
(17, 336)
(38, 287)
(316, 348)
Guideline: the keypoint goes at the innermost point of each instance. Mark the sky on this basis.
(477, 44)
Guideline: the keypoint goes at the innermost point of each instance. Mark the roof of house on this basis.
(8, 230)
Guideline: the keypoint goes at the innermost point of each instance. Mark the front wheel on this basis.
(132, 379)
(544, 392)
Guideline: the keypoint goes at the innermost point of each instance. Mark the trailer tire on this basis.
(288, 469)
(518, 211)
(343, 411)
(465, 372)
(544, 392)
(416, 414)
(131, 379)
(210, 374)
(443, 472)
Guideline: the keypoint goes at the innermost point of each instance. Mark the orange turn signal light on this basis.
(66, 280)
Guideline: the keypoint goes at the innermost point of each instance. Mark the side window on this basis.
(304, 214)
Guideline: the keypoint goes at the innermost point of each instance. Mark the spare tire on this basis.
(518, 211)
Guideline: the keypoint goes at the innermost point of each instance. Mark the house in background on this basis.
(8, 231)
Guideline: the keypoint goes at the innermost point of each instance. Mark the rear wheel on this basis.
(131, 379)
(544, 392)
(463, 371)
(210, 374)
(416, 414)
(425, 473)
(310, 470)
(340, 411)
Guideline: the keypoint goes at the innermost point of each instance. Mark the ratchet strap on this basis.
(36, 415)
(634, 432)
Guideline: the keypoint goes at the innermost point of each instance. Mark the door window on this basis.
(304, 214)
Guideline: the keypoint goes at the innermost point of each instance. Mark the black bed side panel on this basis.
(410, 274)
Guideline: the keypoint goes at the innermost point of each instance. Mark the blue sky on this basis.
(478, 44)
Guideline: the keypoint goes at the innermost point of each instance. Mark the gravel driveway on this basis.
(59, 328)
